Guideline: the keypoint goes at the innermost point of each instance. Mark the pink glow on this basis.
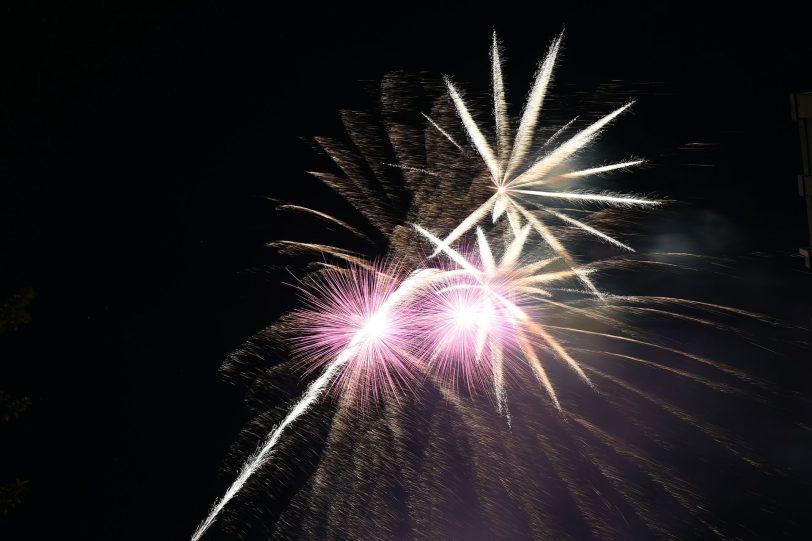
(348, 309)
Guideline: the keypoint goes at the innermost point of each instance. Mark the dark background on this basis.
(138, 144)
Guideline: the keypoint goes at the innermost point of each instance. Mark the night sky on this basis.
(139, 144)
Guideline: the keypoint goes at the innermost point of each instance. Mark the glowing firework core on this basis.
(376, 327)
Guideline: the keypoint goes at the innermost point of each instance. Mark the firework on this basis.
(511, 175)
(392, 343)
(360, 336)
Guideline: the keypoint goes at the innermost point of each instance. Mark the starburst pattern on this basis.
(513, 177)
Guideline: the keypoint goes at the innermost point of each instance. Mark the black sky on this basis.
(138, 143)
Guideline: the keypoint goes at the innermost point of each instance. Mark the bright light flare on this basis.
(508, 288)
(353, 309)
(511, 173)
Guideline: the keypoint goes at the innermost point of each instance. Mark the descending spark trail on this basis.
(255, 461)
(374, 330)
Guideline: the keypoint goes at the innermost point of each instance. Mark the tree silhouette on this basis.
(14, 314)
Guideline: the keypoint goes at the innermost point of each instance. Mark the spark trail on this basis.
(373, 330)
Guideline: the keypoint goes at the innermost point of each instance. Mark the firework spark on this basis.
(504, 292)
(359, 341)
(511, 175)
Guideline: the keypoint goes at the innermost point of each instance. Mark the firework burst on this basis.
(398, 343)
(513, 177)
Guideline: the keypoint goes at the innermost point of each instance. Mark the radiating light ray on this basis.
(530, 115)
(485, 254)
(550, 276)
(498, 362)
(470, 221)
(567, 149)
(591, 230)
(602, 169)
(538, 369)
(558, 133)
(556, 346)
(557, 247)
(514, 220)
(533, 291)
(514, 249)
(578, 174)
(596, 197)
(443, 132)
(480, 143)
(499, 107)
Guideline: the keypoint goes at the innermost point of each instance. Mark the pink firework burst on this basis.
(463, 331)
(366, 315)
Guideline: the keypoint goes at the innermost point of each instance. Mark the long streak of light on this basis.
(339, 253)
(568, 148)
(412, 169)
(577, 196)
(255, 461)
(470, 221)
(558, 248)
(499, 106)
(324, 216)
(591, 230)
(560, 351)
(498, 363)
(442, 131)
(579, 173)
(479, 141)
(558, 133)
(485, 252)
(527, 125)
(602, 169)
(538, 369)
